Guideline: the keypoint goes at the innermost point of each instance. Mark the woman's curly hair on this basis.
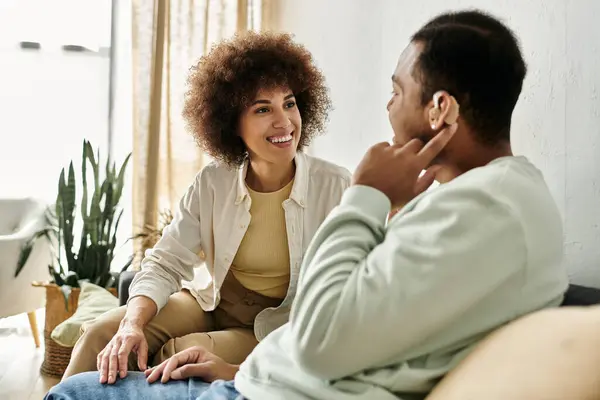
(226, 80)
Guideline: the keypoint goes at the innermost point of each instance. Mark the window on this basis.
(51, 97)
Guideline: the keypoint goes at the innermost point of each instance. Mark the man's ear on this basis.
(442, 110)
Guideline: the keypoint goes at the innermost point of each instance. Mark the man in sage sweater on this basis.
(386, 307)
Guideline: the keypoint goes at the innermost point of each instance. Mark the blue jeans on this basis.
(86, 386)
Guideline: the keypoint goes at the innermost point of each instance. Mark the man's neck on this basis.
(479, 156)
(267, 177)
(483, 155)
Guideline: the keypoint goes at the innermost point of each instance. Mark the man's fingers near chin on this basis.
(381, 145)
(426, 180)
(431, 150)
(414, 146)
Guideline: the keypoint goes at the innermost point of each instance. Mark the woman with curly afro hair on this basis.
(254, 103)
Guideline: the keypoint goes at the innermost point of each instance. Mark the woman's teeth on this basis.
(280, 139)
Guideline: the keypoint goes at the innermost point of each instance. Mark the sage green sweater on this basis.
(385, 310)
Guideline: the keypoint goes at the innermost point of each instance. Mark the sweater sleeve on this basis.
(175, 254)
(367, 290)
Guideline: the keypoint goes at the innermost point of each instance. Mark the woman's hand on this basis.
(130, 337)
(193, 362)
(115, 355)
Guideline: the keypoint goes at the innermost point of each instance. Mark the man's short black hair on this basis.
(476, 58)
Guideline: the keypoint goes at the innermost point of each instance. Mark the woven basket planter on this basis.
(56, 357)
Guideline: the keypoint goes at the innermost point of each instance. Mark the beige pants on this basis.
(181, 324)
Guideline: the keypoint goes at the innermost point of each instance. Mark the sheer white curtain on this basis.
(169, 36)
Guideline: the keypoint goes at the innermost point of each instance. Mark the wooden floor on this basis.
(20, 360)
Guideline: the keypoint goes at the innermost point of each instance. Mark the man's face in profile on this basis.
(406, 111)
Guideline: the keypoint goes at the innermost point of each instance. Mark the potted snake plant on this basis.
(86, 256)
(99, 215)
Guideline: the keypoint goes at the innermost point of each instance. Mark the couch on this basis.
(551, 355)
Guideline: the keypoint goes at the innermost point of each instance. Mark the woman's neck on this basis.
(267, 177)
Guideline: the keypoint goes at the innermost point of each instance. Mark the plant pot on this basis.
(56, 357)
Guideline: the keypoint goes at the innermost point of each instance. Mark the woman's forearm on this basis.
(140, 310)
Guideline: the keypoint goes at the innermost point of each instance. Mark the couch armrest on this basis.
(125, 279)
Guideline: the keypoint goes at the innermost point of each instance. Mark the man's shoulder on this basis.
(511, 184)
(474, 190)
(502, 177)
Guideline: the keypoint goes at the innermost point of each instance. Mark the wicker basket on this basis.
(56, 357)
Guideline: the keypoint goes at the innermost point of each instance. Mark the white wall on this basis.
(49, 102)
(557, 120)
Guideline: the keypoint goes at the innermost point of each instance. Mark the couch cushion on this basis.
(549, 355)
(93, 302)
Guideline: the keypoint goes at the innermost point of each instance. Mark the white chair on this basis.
(19, 220)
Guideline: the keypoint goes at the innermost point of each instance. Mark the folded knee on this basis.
(170, 348)
(98, 330)
(176, 345)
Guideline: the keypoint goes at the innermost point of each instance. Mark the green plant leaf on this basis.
(28, 247)
(58, 279)
(110, 281)
(108, 212)
(114, 236)
(72, 190)
(51, 271)
(127, 264)
(84, 205)
(121, 178)
(23, 257)
(89, 153)
(95, 216)
(100, 214)
(95, 162)
(97, 171)
(58, 223)
(84, 197)
(98, 280)
(67, 194)
(72, 279)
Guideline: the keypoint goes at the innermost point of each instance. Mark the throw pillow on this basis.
(93, 302)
